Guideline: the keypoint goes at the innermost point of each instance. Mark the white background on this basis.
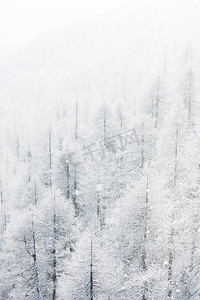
(22, 21)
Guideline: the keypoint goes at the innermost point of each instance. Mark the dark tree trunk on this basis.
(54, 254)
(91, 273)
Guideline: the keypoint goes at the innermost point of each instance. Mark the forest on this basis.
(100, 166)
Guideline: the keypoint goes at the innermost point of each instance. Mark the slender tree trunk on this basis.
(170, 265)
(121, 127)
(98, 202)
(171, 241)
(50, 157)
(68, 180)
(54, 254)
(75, 170)
(35, 262)
(54, 221)
(142, 150)
(76, 129)
(67, 172)
(75, 193)
(34, 255)
(99, 208)
(91, 272)
(144, 255)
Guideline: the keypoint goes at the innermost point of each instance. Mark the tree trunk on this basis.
(91, 272)
(35, 262)
(54, 253)
(142, 150)
(144, 256)
(171, 241)
(50, 157)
